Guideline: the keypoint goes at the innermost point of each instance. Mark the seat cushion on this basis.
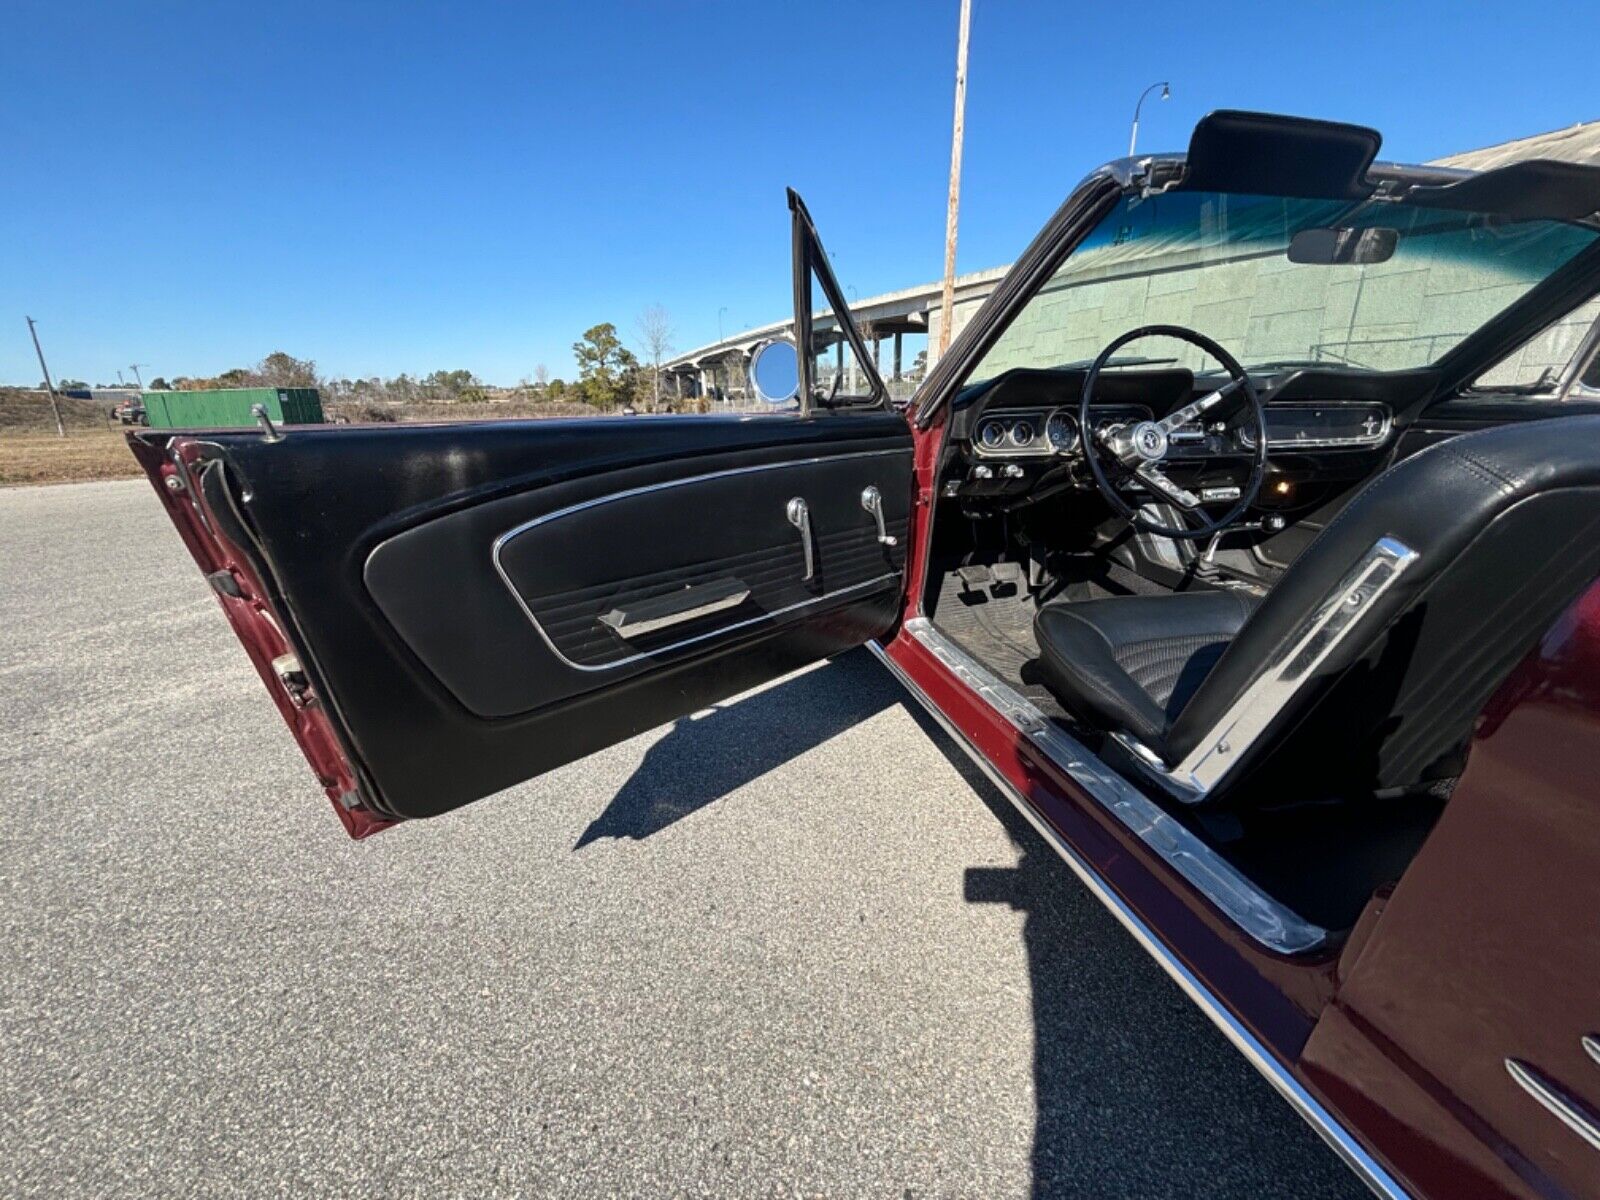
(1130, 663)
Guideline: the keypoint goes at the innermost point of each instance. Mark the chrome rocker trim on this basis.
(1353, 1154)
(1279, 929)
(1335, 619)
(517, 530)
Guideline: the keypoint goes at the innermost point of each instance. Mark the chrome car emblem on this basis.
(1150, 440)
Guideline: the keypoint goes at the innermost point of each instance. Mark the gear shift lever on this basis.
(1271, 524)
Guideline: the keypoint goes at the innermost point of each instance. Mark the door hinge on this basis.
(293, 677)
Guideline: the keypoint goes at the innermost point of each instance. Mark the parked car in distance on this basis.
(1247, 538)
(129, 412)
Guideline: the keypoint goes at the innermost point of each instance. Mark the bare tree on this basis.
(541, 376)
(655, 331)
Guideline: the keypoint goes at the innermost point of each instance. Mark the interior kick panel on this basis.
(557, 567)
(444, 690)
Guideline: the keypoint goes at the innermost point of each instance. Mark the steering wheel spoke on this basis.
(1138, 450)
(1181, 417)
(1158, 481)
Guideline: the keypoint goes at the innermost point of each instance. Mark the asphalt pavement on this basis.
(795, 945)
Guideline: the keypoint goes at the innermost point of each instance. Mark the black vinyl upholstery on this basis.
(1132, 662)
(1506, 526)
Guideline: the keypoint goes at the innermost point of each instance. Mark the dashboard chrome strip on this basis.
(1310, 1109)
(517, 530)
(1271, 924)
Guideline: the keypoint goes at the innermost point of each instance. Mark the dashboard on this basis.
(1019, 432)
(1293, 426)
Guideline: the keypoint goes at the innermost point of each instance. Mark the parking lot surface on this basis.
(792, 945)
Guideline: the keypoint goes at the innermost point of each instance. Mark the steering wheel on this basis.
(1137, 450)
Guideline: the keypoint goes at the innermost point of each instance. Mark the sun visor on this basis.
(1269, 155)
(1525, 191)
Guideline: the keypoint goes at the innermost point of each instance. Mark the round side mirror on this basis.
(775, 372)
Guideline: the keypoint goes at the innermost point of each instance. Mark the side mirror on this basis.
(1340, 247)
(775, 371)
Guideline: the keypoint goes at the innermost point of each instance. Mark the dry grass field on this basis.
(31, 453)
(83, 455)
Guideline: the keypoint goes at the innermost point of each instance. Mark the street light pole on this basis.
(134, 367)
(49, 386)
(1166, 94)
(953, 205)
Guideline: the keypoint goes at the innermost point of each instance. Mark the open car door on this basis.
(443, 610)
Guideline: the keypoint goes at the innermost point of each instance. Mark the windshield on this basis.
(1222, 264)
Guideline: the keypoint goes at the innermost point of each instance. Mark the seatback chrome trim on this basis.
(1311, 1110)
(1339, 614)
(1270, 923)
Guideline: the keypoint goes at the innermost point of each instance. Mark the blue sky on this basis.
(389, 187)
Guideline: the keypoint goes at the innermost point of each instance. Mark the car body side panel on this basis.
(1489, 948)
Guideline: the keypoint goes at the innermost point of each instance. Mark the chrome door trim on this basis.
(1268, 922)
(1344, 1144)
(1567, 1109)
(1335, 618)
(517, 530)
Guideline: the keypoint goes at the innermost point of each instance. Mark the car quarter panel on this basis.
(1488, 952)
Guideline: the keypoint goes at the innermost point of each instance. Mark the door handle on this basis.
(872, 501)
(800, 517)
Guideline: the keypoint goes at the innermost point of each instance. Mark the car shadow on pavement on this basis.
(1137, 1093)
(703, 758)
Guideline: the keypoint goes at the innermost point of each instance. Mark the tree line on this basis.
(609, 375)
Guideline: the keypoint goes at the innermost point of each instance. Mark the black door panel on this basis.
(378, 544)
(557, 567)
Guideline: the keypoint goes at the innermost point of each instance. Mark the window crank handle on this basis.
(872, 501)
(800, 517)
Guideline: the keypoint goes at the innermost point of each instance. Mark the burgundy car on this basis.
(1247, 538)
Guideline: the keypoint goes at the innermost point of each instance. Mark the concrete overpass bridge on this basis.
(901, 328)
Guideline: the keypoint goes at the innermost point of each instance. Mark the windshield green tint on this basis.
(1219, 264)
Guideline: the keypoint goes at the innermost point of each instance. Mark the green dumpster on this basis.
(231, 407)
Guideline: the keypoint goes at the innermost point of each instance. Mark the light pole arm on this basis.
(1133, 137)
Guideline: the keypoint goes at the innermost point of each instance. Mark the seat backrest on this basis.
(1505, 528)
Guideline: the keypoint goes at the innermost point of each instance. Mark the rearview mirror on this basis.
(1338, 247)
(775, 372)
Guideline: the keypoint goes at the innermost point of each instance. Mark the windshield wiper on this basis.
(1283, 364)
(1130, 361)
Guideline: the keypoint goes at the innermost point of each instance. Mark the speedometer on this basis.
(1061, 431)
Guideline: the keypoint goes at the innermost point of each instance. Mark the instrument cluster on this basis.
(1043, 433)
(1027, 434)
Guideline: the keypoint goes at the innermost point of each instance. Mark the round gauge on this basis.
(1022, 434)
(1061, 431)
(991, 435)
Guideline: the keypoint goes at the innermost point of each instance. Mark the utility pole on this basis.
(953, 208)
(134, 367)
(55, 405)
